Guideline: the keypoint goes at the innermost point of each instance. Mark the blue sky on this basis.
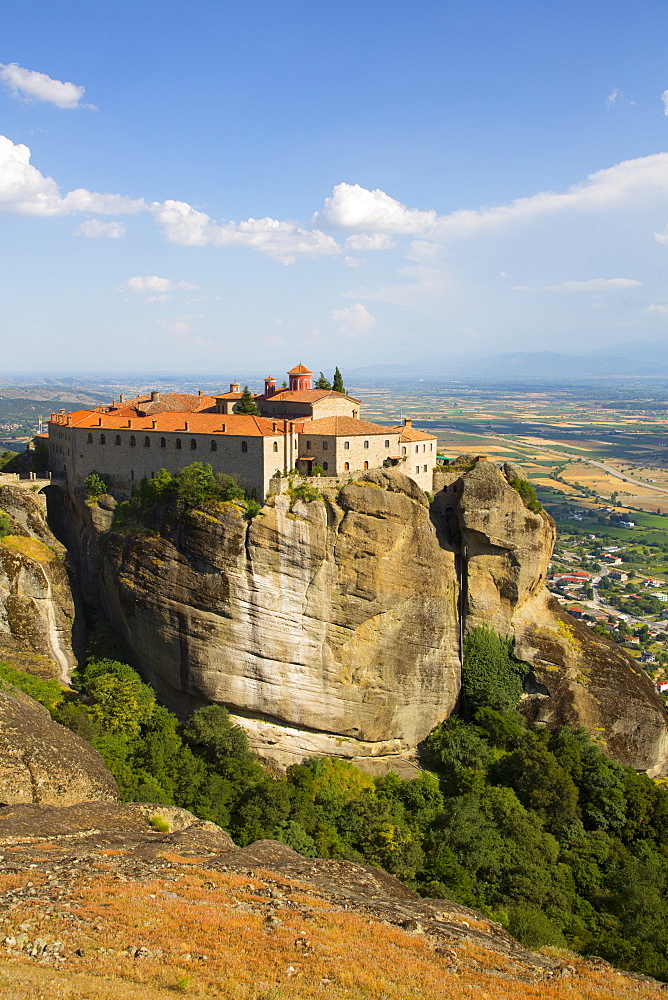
(218, 187)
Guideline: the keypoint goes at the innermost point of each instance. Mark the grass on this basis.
(29, 547)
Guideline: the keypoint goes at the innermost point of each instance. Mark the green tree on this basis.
(95, 485)
(247, 403)
(337, 384)
(323, 383)
(491, 676)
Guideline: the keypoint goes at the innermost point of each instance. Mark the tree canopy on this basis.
(247, 403)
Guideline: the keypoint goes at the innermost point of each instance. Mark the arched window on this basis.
(163, 443)
(424, 447)
(366, 444)
(193, 444)
(244, 446)
(118, 439)
(417, 447)
(214, 446)
(133, 442)
(275, 445)
(366, 465)
(431, 446)
(90, 439)
(346, 445)
(178, 443)
(325, 446)
(103, 439)
(403, 451)
(147, 442)
(346, 466)
(325, 466)
(387, 444)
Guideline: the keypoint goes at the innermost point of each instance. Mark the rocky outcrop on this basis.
(336, 626)
(578, 678)
(325, 627)
(42, 762)
(37, 610)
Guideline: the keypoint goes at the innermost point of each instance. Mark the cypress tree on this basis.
(338, 385)
(247, 403)
(323, 383)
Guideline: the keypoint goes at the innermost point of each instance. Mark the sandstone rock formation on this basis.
(336, 626)
(41, 761)
(37, 610)
(325, 627)
(578, 677)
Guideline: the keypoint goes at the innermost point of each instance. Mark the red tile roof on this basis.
(309, 395)
(174, 401)
(300, 370)
(342, 427)
(235, 424)
(411, 433)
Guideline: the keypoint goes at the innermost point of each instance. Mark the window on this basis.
(193, 444)
(147, 442)
(387, 444)
(275, 445)
(132, 475)
(118, 439)
(308, 445)
(417, 468)
(90, 439)
(325, 466)
(325, 446)
(163, 443)
(214, 446)
(178, 444)
(346, 466)
(346, 445)
(417, 447)
(133, 442)
(424, 447)
(403, 451)
(244, 446)
(366, 444)
(103, 439)
(366, 465)
(424, 468)
(431, 446)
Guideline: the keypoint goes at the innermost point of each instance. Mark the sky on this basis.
(223, 187)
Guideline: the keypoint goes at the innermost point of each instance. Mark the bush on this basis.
(95, 485)
(47, 692)
(491, 676)
(5, 525)
(527, 493)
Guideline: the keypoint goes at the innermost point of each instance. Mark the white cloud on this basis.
(657, 308)
(662, 237)
(140, 285)
(664, 98)
(613, 97)
(355, 207)
(373, 241)
(34, 86)
(95, 228)
(355, 319)
(25, 191)
(592, 285)
(283, 241)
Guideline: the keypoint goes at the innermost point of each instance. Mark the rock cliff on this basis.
(37, 608)
(325, 627)
(335, 626)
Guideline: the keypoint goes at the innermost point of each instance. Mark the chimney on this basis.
(408, 422)
(481, 458)
(129, 422)
(121, 398)
(186, 425)
(224, 428)
(154, 424)
(99, 421)
(199, 392)
(113, 404)
(62, 411)
(273, 426)
(155, 396)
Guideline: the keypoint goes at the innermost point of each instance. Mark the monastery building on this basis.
(299, 428)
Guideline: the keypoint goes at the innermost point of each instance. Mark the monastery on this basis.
(299, 428)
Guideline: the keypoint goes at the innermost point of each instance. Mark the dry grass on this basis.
(216, 943)
(29, 547)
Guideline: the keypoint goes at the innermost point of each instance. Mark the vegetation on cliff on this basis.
(536, 828)
(527, 493)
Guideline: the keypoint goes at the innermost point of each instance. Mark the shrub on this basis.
(527, 493)
(95, 485)
(491, 676)
(47, 692)
(5, 524)
(159, 823)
